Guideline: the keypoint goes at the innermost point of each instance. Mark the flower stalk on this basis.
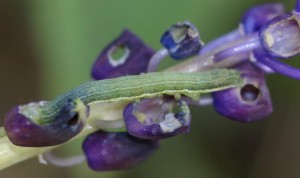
(134, 108)
(11, 154)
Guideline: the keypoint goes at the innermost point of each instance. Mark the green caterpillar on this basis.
(135, 87)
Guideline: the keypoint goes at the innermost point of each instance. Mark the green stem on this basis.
(11, 154)
(2, 132)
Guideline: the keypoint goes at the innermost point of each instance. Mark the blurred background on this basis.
(48, 47)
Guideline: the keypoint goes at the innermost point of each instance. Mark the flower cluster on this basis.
(264, 35)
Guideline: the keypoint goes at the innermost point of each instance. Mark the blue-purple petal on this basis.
(297, 6)
(257, 16)
(154, 119)
(22, 131)
(134, 60)
(106, 151)
(248, 103)
(182, 40)
(280, 37)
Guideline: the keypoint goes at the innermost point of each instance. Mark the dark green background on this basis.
(47, 47)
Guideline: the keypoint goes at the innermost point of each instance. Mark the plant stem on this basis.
(11, 154)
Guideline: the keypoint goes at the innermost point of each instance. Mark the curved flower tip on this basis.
(22, 131)
(154, 119)
(113, 151)
(276, 65)
(257, 16)
(248, 103)
(126, 55)
(280, 37)
(182, 40)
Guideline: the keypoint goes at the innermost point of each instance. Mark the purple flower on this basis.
(258, 16)
(182, 40)
(134, 59)
(154, 119)
(113, 151)
(276, 38)
(24, 132)
(265, 35)
(280, 37)
(248, 103)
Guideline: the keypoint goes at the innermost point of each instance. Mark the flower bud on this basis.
(134, 59)
(154, 119)
(23, 131)
(106, 151)
(248, 103)
(182, 40)
(280, 37)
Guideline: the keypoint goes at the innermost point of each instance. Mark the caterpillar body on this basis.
(134, 87)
